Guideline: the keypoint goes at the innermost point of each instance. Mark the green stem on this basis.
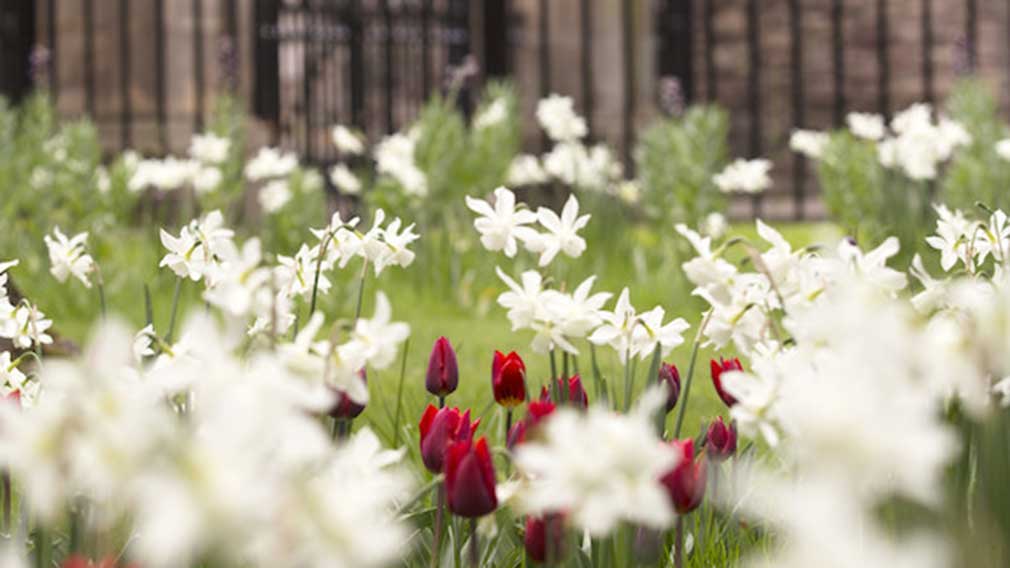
(175, 310)
(439, 521)
(361, 291)
(678, 551)
(319, 269)
(475, 544)
(690, 376)
(629, 378)
(399, 395)
(100, 284)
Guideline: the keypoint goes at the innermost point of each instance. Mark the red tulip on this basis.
(443, 372)
(685, 483)
(720, 367)
(544, 532)
(720, 440)
(536, 412)
(508, 379)
(576, 392)
(670, 376)
(440, 428)
(470, 479)
(344, 407)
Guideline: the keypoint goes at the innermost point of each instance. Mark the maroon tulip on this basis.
(345, 408)
(720, 367)
(440, 428)
(720, 441)
(470, 479)
(685, 483)
(544, 532)
(443, 372)
(508, 379)
(670, 376)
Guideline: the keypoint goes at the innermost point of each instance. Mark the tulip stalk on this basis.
(678, 546)
(439, 521)
(474, 544)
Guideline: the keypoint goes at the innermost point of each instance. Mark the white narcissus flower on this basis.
(347, 141)
(714, 225)
(270, 163)
(523, 302)
(744, 176)
(296, 275)
(492, 115)
(274, 195)
(556, 114)
(866, 125)
(600, 467)
(375, 340)
(637, 335)
(524, 170)
(871, 266)
(1003, 149)
(562, 232)
(209, 148)
(12, 380)
(810, 143)
(28, 326)
(502, 225)
(394, 157)
(198, 248)
(207, 179)
(344, 179)
(143, 344)
(956, 238)
(69, 256)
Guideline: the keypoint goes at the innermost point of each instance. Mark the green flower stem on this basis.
(690, 376)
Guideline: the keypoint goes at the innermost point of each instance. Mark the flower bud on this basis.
(440, 428)
(443, 372)
(470, 479)
(685, 483)
(544, 532)
(536, 412)
(670, 377)
(720, 367)
(344, 407)
(508, 379)
(720, 440)
(576, 392)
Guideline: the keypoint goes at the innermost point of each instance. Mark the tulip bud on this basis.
(576, 392)
(544, 532)
(470, 479)
(344, 407)
(720, 367)
(720, 441)
(508, 379)
(685, 483)
(443, 372)
(440, 428)
(536, 412)
(670, 376)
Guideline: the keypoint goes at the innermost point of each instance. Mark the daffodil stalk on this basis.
(175, 310)
(690, 376)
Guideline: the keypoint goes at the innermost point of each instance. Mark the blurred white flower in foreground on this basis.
(600, 467)
(69, 256)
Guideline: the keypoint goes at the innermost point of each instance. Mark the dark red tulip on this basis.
(685, 483)
(544, 532)
(670, 376)
(720, 367)
(508, 379)
(440, 428)
(720, 441)
(443, 372)
(344, 407)
(470, 479)
(576, 392)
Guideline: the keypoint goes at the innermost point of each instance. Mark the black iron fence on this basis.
(307, 64)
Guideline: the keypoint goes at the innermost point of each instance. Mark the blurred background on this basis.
(147, 72)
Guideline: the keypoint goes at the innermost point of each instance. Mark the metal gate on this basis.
(370, 63)
(17, 36)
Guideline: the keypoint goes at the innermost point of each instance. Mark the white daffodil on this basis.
(270, 163)
(344, 179)
(556, 114)
(502, 225)
(347, 141)
(866, 125)
(69, 256)
(209, 148)
(562, 232)
(523, 302)
(809, 143)
(376, 339)
(744, 176)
